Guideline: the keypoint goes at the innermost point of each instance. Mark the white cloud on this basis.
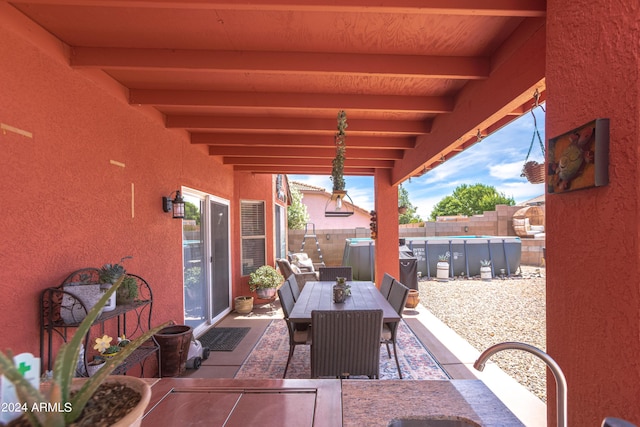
(506, 171)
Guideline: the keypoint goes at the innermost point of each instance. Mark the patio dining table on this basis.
(319, 296)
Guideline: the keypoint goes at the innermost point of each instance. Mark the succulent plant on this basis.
(265, 277)
(443, 257)
(110, 273)
(485, 263)
(59, 394)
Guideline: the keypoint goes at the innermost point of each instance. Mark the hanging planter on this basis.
(532, 170)
(337, 171)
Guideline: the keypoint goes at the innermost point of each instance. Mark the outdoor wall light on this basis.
(176, 205)
(335, 206)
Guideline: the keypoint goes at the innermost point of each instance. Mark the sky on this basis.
(496, 161)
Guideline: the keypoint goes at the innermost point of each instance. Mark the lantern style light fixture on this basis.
(337, 205)
(176, 206)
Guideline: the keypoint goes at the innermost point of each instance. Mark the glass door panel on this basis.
(194, 252)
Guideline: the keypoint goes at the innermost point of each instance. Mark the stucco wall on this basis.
(84, 186)
(593, 297)
(316, 203)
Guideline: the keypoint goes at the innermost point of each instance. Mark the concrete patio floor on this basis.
(455, 355)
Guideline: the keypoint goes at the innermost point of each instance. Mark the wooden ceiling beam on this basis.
(334, 64)
(320, 153)
(333, 102)
(519, 8)
(325, 126)
(302, 141)
(301, 170)
(272, 161)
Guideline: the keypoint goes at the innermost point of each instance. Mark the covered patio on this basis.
(107, 106)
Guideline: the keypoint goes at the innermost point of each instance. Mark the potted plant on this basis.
(442, 272)
(264, 281)
(128, 290)
(485, 270)
(62, 391)
(109, 274)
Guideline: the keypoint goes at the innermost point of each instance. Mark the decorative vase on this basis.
(442, 272)
(412, 299)
(243, 304)
(339, 293)
(266, 293)
(485, 273)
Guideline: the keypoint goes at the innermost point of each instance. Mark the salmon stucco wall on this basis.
(316, 204)
(83, 174)
(252, 187)
(593, 253)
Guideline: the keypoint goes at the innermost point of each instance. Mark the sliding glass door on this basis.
(206, 251)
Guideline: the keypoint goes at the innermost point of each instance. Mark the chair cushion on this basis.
(301, 336)
(303, 261)
(295, 269)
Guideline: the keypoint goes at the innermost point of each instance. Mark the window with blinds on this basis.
(253, 235)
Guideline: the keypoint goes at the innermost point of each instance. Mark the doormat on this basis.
(223, 339)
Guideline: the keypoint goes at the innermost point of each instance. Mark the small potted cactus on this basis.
(442, 272)
(485, 270)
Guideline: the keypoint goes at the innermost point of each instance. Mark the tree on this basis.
(297, 215)
(410, 215)
(471, 200)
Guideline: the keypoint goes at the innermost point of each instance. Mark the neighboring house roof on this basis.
(533, 202)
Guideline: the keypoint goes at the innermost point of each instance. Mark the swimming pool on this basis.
(465, 253)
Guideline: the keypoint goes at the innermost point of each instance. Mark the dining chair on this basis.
(330, 273)
(385, 286)
(296, 336)
(345, 343)
(295, 289)
(397, 299)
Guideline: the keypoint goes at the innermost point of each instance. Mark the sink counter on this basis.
(375, 403)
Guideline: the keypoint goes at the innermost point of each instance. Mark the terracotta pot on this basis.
(133, 418)
(413, 299)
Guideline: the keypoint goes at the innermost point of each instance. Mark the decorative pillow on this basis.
(302, 260)
(295, 269)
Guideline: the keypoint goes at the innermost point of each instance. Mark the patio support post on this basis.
(386, 206)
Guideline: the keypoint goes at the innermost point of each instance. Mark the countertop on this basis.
(376, 403)
(348, 403)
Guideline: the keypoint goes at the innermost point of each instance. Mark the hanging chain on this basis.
(536, 96)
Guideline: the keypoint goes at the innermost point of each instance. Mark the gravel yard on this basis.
(486, 313)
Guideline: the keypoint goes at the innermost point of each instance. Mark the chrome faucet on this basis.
(561, 382)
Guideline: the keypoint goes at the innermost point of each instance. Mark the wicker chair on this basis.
(296, 337)
(345, 343)
(397, 299)
(385, 287)
(330, 273)
(286, 269)
(292, 282)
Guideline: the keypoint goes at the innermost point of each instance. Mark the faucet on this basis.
(561, 382)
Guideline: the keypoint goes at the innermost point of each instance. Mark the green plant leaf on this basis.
(89, 387)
